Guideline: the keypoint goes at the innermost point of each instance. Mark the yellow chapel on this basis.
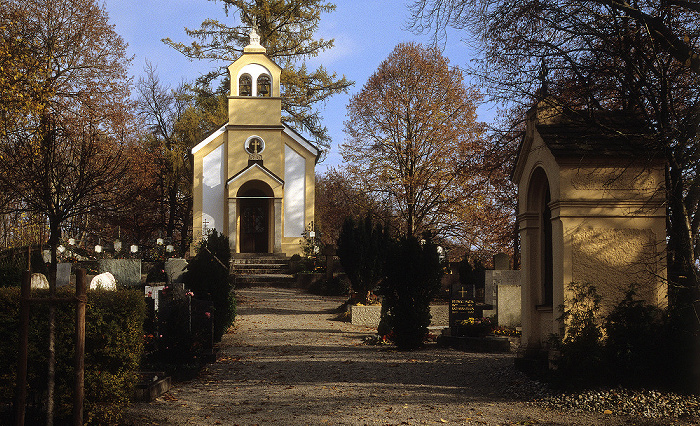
(254, 178)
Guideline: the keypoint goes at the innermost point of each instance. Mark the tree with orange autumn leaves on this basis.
(414, 145)
(64, 157)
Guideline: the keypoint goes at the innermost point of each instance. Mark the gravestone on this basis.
(63, 274)
(175, 271)
(103, 281)
(463, 306)
(39, 282)
(127, 272)
(153, 292)
(502, 290)
(501, 261)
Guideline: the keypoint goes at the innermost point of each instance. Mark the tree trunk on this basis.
(172, 211)
(683, 280)
(185, 231)
(683, 283)
(51, 379)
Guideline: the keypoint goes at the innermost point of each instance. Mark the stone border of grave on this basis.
(151, 385)
(369, 316)
(489, 344)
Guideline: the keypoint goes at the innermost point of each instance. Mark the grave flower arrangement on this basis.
(475, 327)
(506, 331)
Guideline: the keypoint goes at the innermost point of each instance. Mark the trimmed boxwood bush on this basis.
(113, 348)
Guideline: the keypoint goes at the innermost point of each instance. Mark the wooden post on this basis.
(21, 400)
(79, 387)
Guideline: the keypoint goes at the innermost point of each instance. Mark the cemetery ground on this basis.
(288, 362)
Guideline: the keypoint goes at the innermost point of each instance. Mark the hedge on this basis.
(113, 349)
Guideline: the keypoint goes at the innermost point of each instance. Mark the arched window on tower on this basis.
(245, 85)
(264, 86)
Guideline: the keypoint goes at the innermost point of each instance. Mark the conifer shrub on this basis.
(362, 247)
(412, 281)
(113, 349)
(208, 277)
(14, 261)
(10, 273)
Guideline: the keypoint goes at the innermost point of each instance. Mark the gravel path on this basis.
(288, 363)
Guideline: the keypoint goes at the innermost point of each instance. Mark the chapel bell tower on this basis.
(254, 177)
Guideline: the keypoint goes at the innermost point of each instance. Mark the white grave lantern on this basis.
(98, 249)
(117, 245)
(61, 249)
(134, 248)
(71, 241)
(159, 241)
(169, 248)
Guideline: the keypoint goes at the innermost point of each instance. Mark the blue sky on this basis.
(365, 33)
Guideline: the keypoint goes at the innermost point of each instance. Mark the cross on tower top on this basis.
(254, 37)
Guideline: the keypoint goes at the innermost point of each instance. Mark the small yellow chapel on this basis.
(254, 178)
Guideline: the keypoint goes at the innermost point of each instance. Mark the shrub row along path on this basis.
(287, 362)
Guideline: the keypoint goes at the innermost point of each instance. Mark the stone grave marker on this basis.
(126, 271)
(103, 281)
(502, 290)
(175, 271)
(63, 274)
(501, 261)
(462, 306)
(39, 282)
(153, 291)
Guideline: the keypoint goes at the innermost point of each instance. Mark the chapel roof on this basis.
(585, 135)
(602, 134)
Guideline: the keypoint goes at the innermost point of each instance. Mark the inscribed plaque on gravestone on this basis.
(462, 306)
(461, 309)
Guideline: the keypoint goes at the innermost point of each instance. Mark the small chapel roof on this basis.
(588, 135)
(610, 133)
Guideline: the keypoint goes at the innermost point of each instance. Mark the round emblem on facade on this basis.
(254, 145)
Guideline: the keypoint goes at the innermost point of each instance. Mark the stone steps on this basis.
(261, 269)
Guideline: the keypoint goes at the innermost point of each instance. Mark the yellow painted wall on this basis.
(608, 230)
(261, 117)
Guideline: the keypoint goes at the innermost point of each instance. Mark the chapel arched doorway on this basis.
(539, 198)
(255, 199)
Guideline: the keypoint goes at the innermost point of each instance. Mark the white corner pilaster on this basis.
(232, 224)
(278, 226)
